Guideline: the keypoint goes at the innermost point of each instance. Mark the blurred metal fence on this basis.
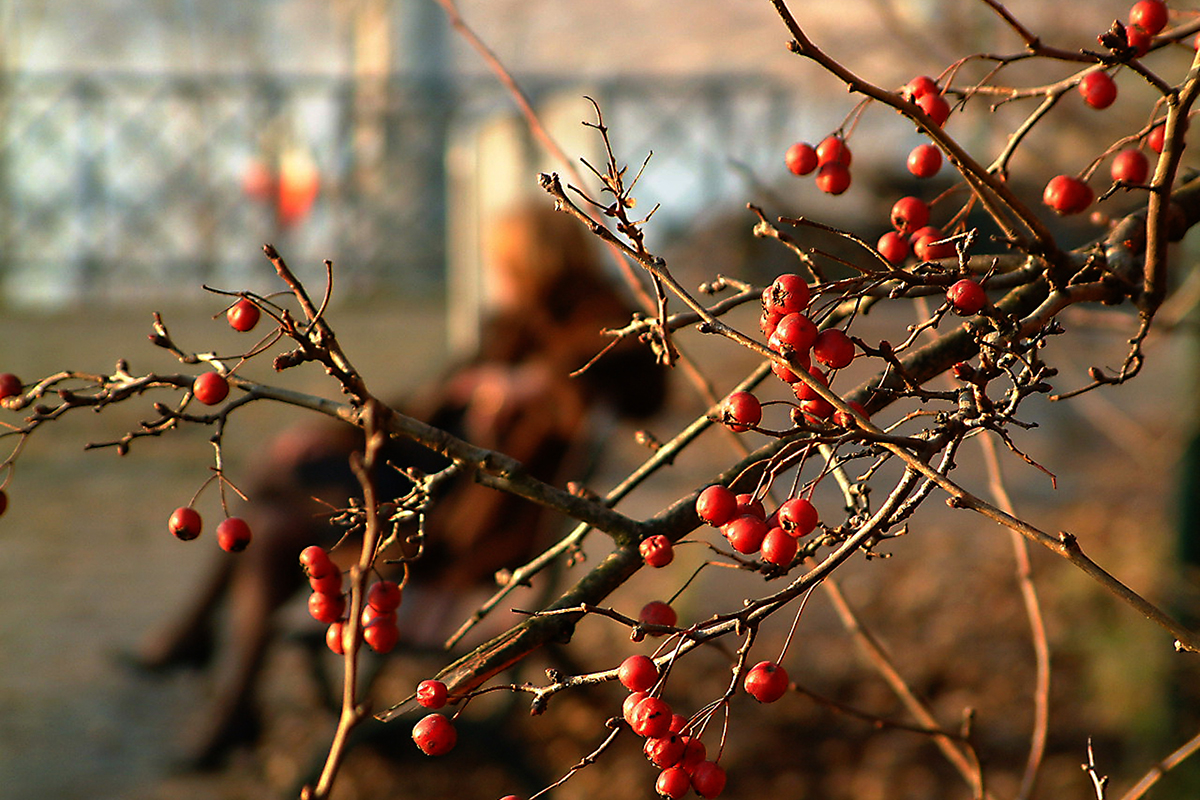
(113, 184)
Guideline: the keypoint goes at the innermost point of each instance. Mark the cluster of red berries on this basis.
(434, 734)
(913, 233)
(744, 523)
(831, 160)
(233, 533)
(681, 758)
(327, 604)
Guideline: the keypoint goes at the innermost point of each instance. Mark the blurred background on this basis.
(149, 148)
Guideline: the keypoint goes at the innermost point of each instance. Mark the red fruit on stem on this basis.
(664, 751)
(243, 315)
(766, 682)
(779, 547)
(833, 348)
(740, 411)
(803, 391)
(432, 694)
(329, 583)
(708, 779)
(936, 107)
(435, 735)
(656, 612)
(749, 504)
(816, 408)
(893, 247)
(384, 596)
(651, 718)
(335, 638)
(745, 533)
(10, 385)
(966, 297)
(833, 150)
(924, 161)
(233, 534)
(1067, 195)
(638, 673)
(1150, 16)
(630, 704)
(1130, 166)
(694, 752)
(673, 783)
(316, 561)
(327, 608)
(184, 523)
(787, 294)
(846, 420)
(801, 158)
(1156, 139)
(382, 636)
(928, 245)
(371, 616)
(1099, 90)
(797, 331)
(909, 214)
(920, 86)
(798, 516)
(657, 551)
(833, 178)
(210, 388)
(716, 505)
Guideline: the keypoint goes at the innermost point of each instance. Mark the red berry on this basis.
(801, 158)
(716, 505)
(803, 391)
(1067, 195)
(740, 411)
(787, 294)
(10, 385)
(316, 562)
(936, 107)
(909, 214)
(435, 735)
(3, 502)
(630, 703)
(766, 682)
(1149, 15)
(1137, 40)
(656, 551)
(833, 149)
(243, 315)
(382, 635)
(798, 516)
(666, 750)
(373, 616)
(893, 247)
(673, 783)
(432, 694)
(779, 547)
(638, 673)
(1156, 139)
(651, 718)
(833, 348)
(924, 161)
(335, 638)
(1130, 166)
(694, 752)
(184, 523)
(749, 504)
(1099, 90)
(833, 178)
(816, 408)
(967, 297)
(708, 779)
(796, 331)
(327, 608)
(210, 388)
(329, 583)
(927, 245)
(745, 533)
(846, 420)
(920, 86)
(233, 534)
(656, 612)
(384, 596)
